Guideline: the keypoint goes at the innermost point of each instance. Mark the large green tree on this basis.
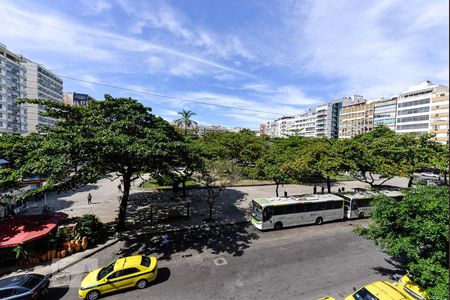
(114, 136)
(415, 231)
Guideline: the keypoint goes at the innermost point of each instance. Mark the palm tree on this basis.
(185, 121)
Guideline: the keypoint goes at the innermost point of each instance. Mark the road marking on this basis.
(220, 261)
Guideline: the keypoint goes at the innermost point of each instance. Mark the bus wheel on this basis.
(278, 225)
(361, 215)
(319, 221)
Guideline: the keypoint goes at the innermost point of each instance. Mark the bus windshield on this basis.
(256, 211)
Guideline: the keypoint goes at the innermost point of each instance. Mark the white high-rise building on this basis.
(324, 120)
(303, 124)
(440, 114)
(42, 84)
(413, 108)
(13, 83)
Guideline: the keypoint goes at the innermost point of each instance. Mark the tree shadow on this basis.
(55, 293)
(143, 236)
(231, 239)
(393, 273)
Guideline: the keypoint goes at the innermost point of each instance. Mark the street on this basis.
(305, 262)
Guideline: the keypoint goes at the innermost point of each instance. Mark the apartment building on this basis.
(76, 99)
(41, 84)
(327, 119)
(323, 120)
(303, 124)
(356, 116)
(439, 119)
(13, 83)
(414, 107)
(384, 112)
(279, 127)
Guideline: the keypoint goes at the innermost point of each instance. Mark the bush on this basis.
(88, 225)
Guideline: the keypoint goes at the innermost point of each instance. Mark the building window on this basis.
(415, 102)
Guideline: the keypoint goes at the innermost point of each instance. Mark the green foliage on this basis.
(185, 121)
(415, 231)
(113, 136)
(20, 252)
(88, 225)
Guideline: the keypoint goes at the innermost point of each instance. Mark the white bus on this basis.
(279, 212)
(359, 204)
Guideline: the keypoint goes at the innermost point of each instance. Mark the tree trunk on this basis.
(410, 181)
(210, 211)
(276, 190)
(184, 187)
(328, 184)
(124, 201)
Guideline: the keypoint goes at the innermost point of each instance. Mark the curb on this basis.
(104, 246)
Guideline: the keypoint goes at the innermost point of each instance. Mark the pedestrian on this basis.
(343, 189)
(165, 244)
(89, 199)
(315, 189)
(323, 188)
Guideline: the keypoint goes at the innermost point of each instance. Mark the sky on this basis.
(273, 58)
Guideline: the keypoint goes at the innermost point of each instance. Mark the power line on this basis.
(167, 97)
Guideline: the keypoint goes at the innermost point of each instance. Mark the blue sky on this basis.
(275, 56)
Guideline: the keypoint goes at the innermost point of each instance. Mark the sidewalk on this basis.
(57, 265)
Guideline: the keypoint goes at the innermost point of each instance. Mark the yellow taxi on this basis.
(131, 271)
(411, 289)
(378, 290)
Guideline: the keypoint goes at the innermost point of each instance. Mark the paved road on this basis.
(301, 263)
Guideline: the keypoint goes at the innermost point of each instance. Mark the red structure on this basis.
(22, 229)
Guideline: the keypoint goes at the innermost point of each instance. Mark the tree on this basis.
(272, 166)
(415, 231)
(114, 136)
(185, 121)
(327, 158)
(215, 175)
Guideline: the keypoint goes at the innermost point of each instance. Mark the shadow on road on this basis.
(55, 293)
(231, 239)
(393, 273)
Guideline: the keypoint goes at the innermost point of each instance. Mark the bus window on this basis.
(300, 208)
(268, 211)
(310, 206)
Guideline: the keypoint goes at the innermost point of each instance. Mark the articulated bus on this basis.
(279, 212)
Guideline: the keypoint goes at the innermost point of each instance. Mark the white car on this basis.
(427, 174)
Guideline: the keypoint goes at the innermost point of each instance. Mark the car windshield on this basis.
(32, 282)
(364, 294)
(256, 211)
(105, 271)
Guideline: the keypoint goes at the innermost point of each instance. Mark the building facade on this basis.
(302, 125)
(414, 108)
(439, 120)
(280, 127)
(323, 120)
(385, 112)
(41, 84)
(355, 117)
(76, 99)
(13, 84)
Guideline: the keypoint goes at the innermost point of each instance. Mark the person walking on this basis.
(165, 244)
(323, 188)
(315, 189)
(89, 199)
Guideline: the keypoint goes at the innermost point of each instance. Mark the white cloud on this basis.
(96, 7)
(160, 15)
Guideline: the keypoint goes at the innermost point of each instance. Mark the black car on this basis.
(24, 286)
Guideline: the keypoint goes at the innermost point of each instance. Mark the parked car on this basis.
(411, 289)
(378, 290)
(24, 286)
(132, 271)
